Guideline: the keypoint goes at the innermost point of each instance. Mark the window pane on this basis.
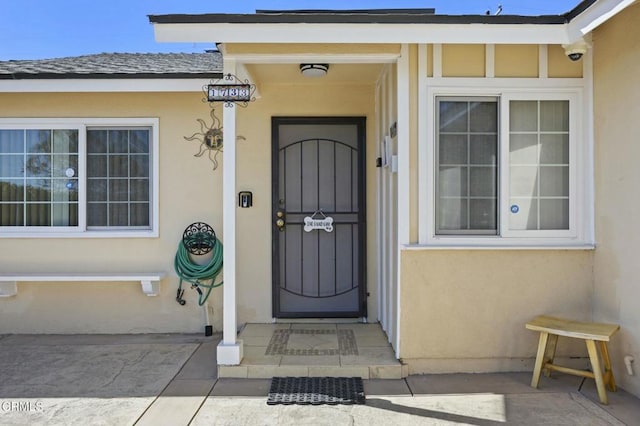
(96, 214)
(452, 214)
(65, 214)
(65, 190)
(38, 214)
(139, 190)
(11, 214)
(11, 165)
(482, 181)
(38, 141)
(38, 165)
(554, 214)
(11, 141)
(524, 181)
(118, 214)
(140, 214)
(118, 141)
(452, 181)
(453, 116)
(124, 172)
(554, 148)
(523, 149)
(523, 214)
(453, 149)
(96, 141)
(139, 141)
(483, 149)
(554, 181)
(539, 165)
(97, 190)
(118, 165)
(97, 165)
(482, 213)
(65, 141)
(118, 190)
(554, 116)
(11, 190)
(523, 116)
(482, 117)
(39, 190)
(467, 159)
(139, 166)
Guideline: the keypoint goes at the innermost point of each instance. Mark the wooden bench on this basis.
(550, 328)
(150, 282)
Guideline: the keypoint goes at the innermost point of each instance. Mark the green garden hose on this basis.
(196, 274)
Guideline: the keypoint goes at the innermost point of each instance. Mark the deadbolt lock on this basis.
(280, 214)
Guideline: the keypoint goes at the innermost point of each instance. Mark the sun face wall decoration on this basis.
(210, 138)
(230, 91)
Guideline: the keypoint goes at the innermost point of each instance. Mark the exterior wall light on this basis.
(314, 70)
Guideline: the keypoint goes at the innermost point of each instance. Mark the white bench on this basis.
(150, 282)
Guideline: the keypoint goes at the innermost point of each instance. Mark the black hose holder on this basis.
(199, 238)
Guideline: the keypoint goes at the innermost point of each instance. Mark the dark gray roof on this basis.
(117, 65)
(365, 16)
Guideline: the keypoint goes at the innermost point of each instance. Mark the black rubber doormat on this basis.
(316, 391)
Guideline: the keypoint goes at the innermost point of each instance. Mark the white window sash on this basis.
(575, 236)
(81, 231)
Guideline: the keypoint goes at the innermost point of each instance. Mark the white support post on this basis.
(229, 349)
(403, 216)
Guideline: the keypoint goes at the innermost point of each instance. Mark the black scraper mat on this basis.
(316, 390)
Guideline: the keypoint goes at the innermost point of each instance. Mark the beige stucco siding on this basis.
(516, 60)
(463, 60)
(189, 191)
(465, 310)
(617, 130)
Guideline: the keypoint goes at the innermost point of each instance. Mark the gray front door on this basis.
(318, 173)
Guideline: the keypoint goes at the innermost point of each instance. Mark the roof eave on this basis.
(362, 33)
(110, 76)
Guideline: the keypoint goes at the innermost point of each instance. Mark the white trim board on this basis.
(102, 85)
(363, 33)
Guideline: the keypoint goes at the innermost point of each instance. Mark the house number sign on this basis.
(229, 93)
(313, 222)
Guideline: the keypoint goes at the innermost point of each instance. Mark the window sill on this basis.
(501, 246)
(87, 234)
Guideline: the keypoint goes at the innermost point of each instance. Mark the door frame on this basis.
(360, 122)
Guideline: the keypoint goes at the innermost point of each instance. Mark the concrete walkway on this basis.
(171, 380)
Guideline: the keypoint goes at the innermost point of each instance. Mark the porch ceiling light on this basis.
(314, 70)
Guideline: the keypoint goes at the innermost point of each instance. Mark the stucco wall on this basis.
(465, 310)
(254, 174)
(616, 48)
(189, 191)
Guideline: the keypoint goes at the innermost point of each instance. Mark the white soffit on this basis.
(362, 33)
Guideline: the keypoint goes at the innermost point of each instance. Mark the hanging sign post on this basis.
(314, 222)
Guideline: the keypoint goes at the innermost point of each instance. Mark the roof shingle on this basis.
(117, 65)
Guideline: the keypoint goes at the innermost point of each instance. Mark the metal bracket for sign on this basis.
(230, 90)
(314, 222)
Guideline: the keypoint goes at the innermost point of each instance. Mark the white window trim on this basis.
(82, 124)
(581, 144)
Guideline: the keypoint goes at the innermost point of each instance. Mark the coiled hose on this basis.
(198, 274)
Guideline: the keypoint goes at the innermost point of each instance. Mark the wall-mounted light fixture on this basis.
(314, 70)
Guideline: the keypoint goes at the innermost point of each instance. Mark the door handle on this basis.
(280, 223)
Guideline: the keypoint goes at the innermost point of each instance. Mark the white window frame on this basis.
(580, 146)
(81, 231)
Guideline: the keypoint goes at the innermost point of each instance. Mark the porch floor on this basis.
(315, 350)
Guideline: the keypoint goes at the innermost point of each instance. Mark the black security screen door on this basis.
(318, 217)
